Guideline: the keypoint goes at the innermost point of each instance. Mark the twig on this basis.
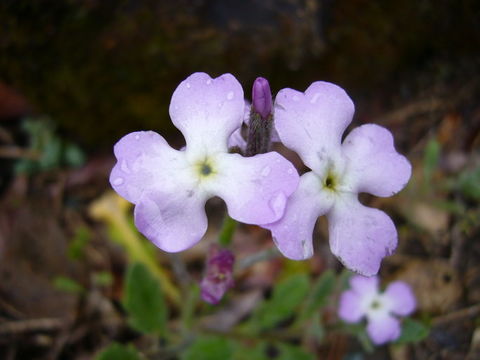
(264, 255)
(466, 312)
(31, 325)
(14, 152)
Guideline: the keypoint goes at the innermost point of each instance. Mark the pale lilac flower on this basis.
(218, 276)
(363, 299)
(169, 187)
(312, 124)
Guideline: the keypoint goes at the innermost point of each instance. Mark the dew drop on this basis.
(266, 171)
(230, 95)
(314, 98)
(124, 167)
(188, 85)
(277, 203)
(137, 137)
(290, 171)
(295, 98)
(118, 181)
(209, 81)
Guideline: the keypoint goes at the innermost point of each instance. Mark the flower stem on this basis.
(226, 233)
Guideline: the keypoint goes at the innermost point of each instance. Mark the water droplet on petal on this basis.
(290, 171)
(277, 203)
(314, 98)
(266, 171)
(188, 85)
(137, 137)
(209, 81)
(295, 98)
(124, 167)
(118, 181)
(230, 95)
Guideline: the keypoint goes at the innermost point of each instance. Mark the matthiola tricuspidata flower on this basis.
(170, 187)
(381, 310)
(312, 124)
(218, 276)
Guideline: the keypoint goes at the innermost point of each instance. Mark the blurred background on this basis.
(76, 75)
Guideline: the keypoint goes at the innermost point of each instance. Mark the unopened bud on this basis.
(218, 276)
(262, 97)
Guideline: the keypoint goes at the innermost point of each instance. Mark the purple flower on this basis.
(169, 187)
(380, 309)
(262, 98)
(218, 276)
(312, 124)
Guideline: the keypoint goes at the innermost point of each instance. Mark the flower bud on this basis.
(218, 276)
(262, 97)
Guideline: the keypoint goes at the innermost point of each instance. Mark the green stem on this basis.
(226, 233)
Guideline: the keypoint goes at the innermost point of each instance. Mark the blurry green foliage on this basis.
(469, 184)
(412, 331)
(287, 296)
(209, 348)
(80, 239)
(51, 151)
(431, 158)
(68, 285)
(318, 295)
(103, 278)
(119, 352)
(144, 301)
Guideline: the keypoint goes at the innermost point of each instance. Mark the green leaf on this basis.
(290, 352)
(319, 294)
(209, 348)
(103, 278)
(144, 301)
(228, 229)
(77, 245)
(119, 352)
(412, 331)
(469, 184)
(68, 285)
(431, 158)
(287, 296)
(72, 155)
(258, 352)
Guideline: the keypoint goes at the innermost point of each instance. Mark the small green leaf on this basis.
(290, 352)
(431, 158)
(287, 296)
(319, 294)
(77, 245)
(73, 155)
(144, 301)
(412, 331)
(209, 348)
(103, 278)
(119, 352)
(68, 285)
(469, 184)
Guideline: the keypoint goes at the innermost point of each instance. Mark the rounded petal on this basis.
(360, 236)
(237, 140)
(207, 111)
(383, 329)
(350, 309)
(373, 164)
(293, 232)
(312, 123)
(256, 188)
(364, 286)
(144, 160)
(401, 298)
(172, 220)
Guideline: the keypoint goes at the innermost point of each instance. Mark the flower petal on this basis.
(374, 165)
(144, 159)
(172, 220)
(256, 188)
(350, 309)
(401, 298)
(360, 236)
(382, 329)
(312, 123)
(293, 232)
(207, 111)
(237, 140)
(364, 286)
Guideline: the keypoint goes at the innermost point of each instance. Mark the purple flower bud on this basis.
(218, 276)
(262, 97)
